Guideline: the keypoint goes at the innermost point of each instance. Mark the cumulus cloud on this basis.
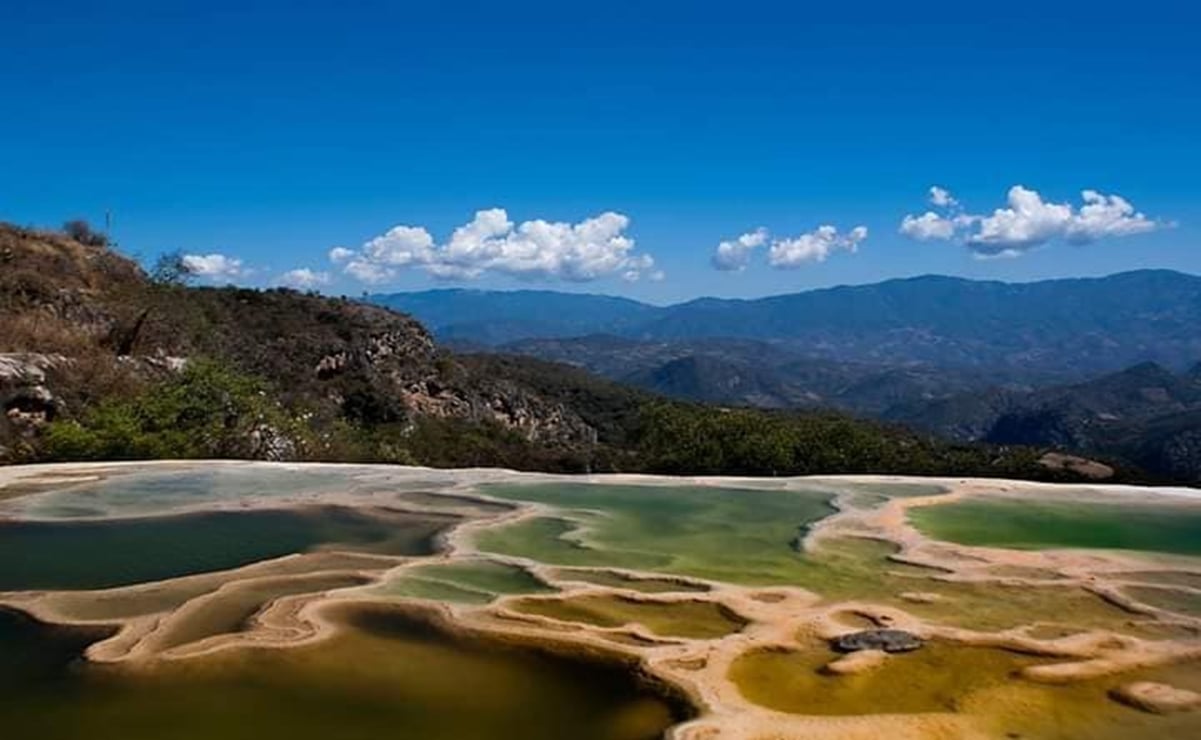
(942, 197)
(814, 246)
(368, 272)
(214, 266)
(786, 253)
(1028, 221)
(303, 278)
(927, 226)
(1107, 215)
(593, 248)
(735, 254)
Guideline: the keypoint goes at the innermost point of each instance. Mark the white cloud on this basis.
(400, 247)
(213, 266)
(735, 254)
(928, 226)
(1103, 216)
(942, 197)
(303, 278)
(369, 272)
(591, 249)
(1028, 221)
(814, 246)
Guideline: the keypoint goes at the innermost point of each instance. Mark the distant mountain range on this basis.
(747, 372)
(100, 360)
(1069, 329)
(1096, 366)
(1144, 414)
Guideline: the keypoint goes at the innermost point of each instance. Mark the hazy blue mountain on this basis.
(484, 317)
(1074, 328)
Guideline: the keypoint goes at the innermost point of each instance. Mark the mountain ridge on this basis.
(1070, 327)
(102, 360)
(932, 277)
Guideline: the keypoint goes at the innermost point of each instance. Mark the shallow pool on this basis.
(388, 677)
(1028, 523)
(103, 554)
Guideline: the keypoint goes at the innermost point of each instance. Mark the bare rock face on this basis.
(888, 641)
(1157, 698)
(26, 404)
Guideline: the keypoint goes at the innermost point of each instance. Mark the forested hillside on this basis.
(101, 360)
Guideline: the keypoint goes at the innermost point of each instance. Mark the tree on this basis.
(82, 232)
(172, 269)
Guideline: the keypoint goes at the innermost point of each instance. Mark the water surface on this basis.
(1028, 523)
(388, 678)
(103, 554)
(736, 535)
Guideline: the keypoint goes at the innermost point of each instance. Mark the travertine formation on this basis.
(932, 593)
(1156, 697)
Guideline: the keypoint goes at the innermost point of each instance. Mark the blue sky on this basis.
(271, 132)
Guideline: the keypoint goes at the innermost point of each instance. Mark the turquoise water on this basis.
(103, 554)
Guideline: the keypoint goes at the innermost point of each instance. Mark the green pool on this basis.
(103, 554)
(738, 535)
(1033, 524)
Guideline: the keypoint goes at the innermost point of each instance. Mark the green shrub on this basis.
(204, 411)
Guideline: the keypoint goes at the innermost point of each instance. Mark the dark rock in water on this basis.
(890, 641)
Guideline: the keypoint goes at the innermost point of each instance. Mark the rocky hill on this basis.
(100, 360)
(84, 324)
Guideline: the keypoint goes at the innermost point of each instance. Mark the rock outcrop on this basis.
(26, 404)
(888, 641)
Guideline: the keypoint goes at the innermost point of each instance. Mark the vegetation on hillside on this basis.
(205, 411)
(145, 366)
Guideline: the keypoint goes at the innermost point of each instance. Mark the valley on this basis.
(1007, 364)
